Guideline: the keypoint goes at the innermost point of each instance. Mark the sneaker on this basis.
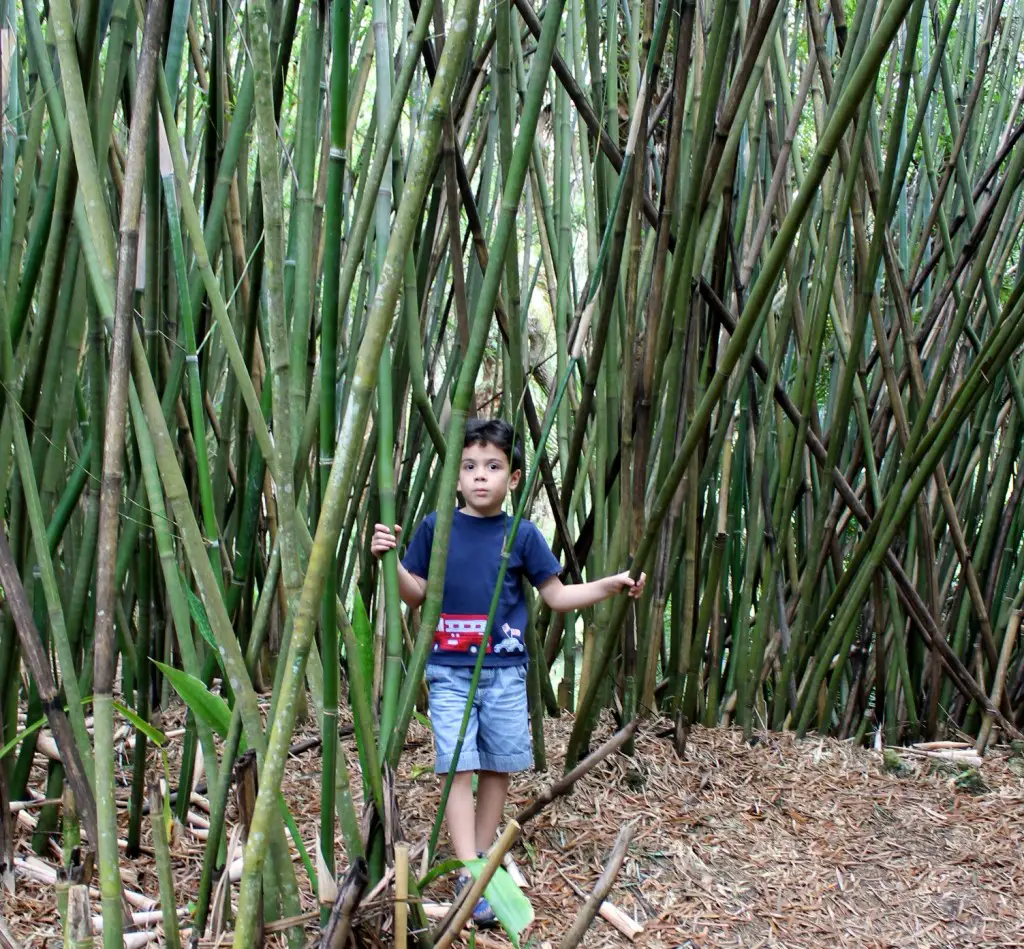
(483, 915)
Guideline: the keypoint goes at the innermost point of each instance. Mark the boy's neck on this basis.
(472, 511)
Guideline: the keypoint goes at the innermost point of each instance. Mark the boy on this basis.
(498, 734)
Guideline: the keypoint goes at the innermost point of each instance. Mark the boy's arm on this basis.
(578, 596)
(411, 588)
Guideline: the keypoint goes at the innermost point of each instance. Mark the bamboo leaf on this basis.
(442, 869)
(210, 708)
(153, 734)
(20, 737)
(202, 621)
(510, 904)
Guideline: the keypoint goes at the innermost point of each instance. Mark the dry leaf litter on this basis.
(783, 843)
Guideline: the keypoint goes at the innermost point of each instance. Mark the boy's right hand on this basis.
(384, 539)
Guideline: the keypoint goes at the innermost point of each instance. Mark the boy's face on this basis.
(485, 478)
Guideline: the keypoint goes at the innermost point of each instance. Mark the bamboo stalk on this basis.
(113, 477)
(169, 913)
(453, 926)
(341, 474)
(999, 682)
(401, 894)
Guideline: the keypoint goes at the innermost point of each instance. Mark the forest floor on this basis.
(785, 843)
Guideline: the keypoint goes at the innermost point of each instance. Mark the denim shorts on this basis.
(498, 732)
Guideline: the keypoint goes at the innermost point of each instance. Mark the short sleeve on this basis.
(539, 564)
(417, 556)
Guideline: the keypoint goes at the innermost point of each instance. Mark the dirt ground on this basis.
(784, 843)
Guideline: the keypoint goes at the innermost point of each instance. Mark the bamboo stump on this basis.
(401, 894)
(78, 929)
(339, 925)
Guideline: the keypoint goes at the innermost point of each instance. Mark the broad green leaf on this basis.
(153, 734)
(211, 708)
(509, 903)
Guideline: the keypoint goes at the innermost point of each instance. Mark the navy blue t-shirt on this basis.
(474, 557)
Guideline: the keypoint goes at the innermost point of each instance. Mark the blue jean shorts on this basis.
(498, 732)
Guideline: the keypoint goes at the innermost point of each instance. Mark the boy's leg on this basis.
(449, 691)
(491, 791)
(459, 815)
(503, 742)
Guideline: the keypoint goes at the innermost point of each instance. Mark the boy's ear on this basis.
(514, 479)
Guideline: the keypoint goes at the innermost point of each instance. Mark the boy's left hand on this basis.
(623, 581)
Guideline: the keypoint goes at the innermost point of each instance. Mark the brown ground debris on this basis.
(784, 843)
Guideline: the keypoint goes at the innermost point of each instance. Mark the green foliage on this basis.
(510, 904)
(204, 704)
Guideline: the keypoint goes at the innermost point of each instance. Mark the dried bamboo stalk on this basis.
(603, 887)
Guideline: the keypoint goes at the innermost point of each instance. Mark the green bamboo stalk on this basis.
(392, 665)
(159, 817)
(105, 655)
(334, 220)
(353, 425)
(827, 145)
(311, 73)
(467, 381)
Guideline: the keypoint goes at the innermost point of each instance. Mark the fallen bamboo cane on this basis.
(16, 806)
(564, 785)
(957, 756)
(604, 885)
(148, 918)
(35, 869)
(610, 913)
(515, 872)
(463, 909)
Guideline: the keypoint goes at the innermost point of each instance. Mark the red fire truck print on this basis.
(460, 633)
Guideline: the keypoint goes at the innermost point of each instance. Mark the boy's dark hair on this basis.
(497, 432)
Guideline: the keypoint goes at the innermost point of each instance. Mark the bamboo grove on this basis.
(746, 276)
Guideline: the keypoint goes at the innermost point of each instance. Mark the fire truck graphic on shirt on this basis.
(464, 633)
